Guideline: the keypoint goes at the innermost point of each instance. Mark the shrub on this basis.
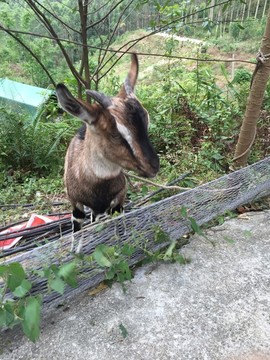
(32, 144)
(241, 75)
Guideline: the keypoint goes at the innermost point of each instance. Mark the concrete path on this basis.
(217, 307)
(181, 38)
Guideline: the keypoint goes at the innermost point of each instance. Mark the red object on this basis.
(35, 220)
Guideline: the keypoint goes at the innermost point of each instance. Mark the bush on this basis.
(32, 144)
(242, 75)
(194, 122)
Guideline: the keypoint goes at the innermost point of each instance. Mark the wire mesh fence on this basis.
(140, 226)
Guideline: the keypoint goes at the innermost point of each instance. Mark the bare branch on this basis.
(31, 52)
(101, 7)
(57, 18)
(105, 16)
(165, 187)
(111, 37)
(51, 30)
(115, 51)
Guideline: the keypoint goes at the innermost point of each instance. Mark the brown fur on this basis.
(114, 138)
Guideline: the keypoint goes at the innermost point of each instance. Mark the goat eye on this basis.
(115, 136)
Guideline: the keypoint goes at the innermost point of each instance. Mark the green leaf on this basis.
(31, 320)
(224, 71)
(123, 330)
(217, 156)
(9, 309)
(69, 274)
(229, 240)
(128, 250)
(110, 274)
(72, 280)
(180, 259)
(240, 26)
(100, 258)
(3, 269)
(67, 269)
(247, 233)
(225, 6)
(2, 317)
(160, 236)
(53, 268)
(195, 227)
(57, 284)
(16, 275)
(169, 251)
(99, 227)
(22, 289)
(183, 211)
(124, 272)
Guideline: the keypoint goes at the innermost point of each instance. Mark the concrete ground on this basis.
(216, 307)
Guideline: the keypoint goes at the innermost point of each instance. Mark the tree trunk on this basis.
(257, 8)
(248, 12)
(264, 8)
(254, 102)
(211, 11)
(232, 12)
(243, 13)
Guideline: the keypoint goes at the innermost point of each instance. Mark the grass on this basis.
(20, 199)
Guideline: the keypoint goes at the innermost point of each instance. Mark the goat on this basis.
(114, 137)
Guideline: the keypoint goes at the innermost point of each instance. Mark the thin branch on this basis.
(31, 52)
(165, 187)
(115, 51)
(105, 16)
(51, 30)
(57, 18)
(145, 199)
(111, 37)
(101, 7)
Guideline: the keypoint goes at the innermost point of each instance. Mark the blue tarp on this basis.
(26, 96)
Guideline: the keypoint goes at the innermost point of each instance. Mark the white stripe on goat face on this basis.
(127, 135)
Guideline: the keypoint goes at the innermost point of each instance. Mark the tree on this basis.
(78, 36)
(80, 24)
(254, 102)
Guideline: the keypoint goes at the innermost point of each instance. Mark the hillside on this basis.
(180, 47)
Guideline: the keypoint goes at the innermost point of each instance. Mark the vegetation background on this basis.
(195, 94)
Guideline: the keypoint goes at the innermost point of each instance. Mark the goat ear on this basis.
(130, 82)
(103, 100)
(73, 106)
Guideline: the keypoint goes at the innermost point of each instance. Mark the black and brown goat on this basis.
(114, 137)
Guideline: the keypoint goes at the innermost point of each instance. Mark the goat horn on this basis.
(102, 99)
(128, 87)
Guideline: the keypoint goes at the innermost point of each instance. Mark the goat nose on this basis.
(155, 164)
(151, 169)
